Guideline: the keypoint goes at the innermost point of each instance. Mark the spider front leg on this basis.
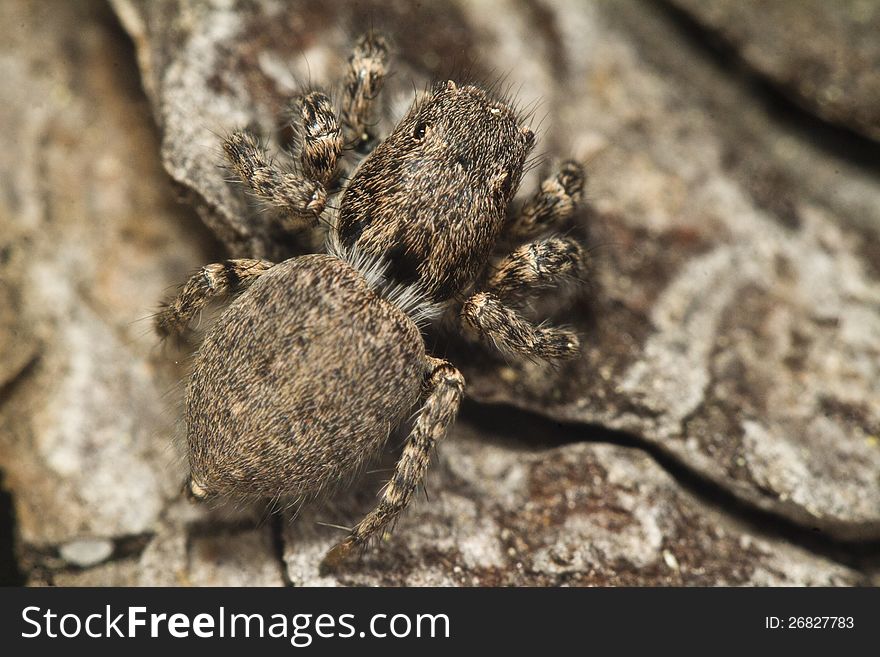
(301, 197)
(531, 267)
(555, 201)
(445, 388)
(212, 281)
(363, 82)
(537, 265)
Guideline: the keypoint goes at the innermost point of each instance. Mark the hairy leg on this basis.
(445, 388)
(363, 82)
(535, 266)
(511, 333)
(212, 281)
(322, 138)
(555, 201)
(301, 197)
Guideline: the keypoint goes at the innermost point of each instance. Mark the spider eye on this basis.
(420, 129)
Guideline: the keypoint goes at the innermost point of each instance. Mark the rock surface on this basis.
(731, 322)
(825, 55)
(501, 512)
(92, 238)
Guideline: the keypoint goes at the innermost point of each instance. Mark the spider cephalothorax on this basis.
(320, 357)
(431, 198)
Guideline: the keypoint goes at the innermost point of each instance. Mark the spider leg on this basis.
(531, 267)
(511, 333)
(537, 265)
(367, 67)
(211, 281)
(301, 197)
(445, 388)
(555, 201)
(322, 138)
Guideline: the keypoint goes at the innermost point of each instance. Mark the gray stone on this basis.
(86, 552)
(825, 55)
(91, 239)
(502, 513)
(731, 320)
(203, 546)
(115, 573)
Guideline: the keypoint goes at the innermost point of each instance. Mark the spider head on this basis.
(431, 199)
(464, 141)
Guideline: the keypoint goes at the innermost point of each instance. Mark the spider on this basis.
(320, 357)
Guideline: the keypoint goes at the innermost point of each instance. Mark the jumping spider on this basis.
(321, 356)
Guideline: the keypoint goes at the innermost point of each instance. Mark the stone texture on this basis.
(825, 55)
(731, 321)
(732, 318)
(116, 573)
(499, 512)
(210, 552)
(91, 238)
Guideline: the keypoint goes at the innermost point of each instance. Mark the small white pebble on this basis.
(86, 552)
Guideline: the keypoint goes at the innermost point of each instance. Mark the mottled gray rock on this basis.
(116, 573)
(91, 238)
(18, 345)
(735, 322)
(501, 513)
(204, 546)
(732, 319)
(824, 54)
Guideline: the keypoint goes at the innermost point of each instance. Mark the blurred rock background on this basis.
(723, 425)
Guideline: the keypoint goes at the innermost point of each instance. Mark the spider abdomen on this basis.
(299, 382)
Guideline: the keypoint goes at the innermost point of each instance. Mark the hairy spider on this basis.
(320, 357)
